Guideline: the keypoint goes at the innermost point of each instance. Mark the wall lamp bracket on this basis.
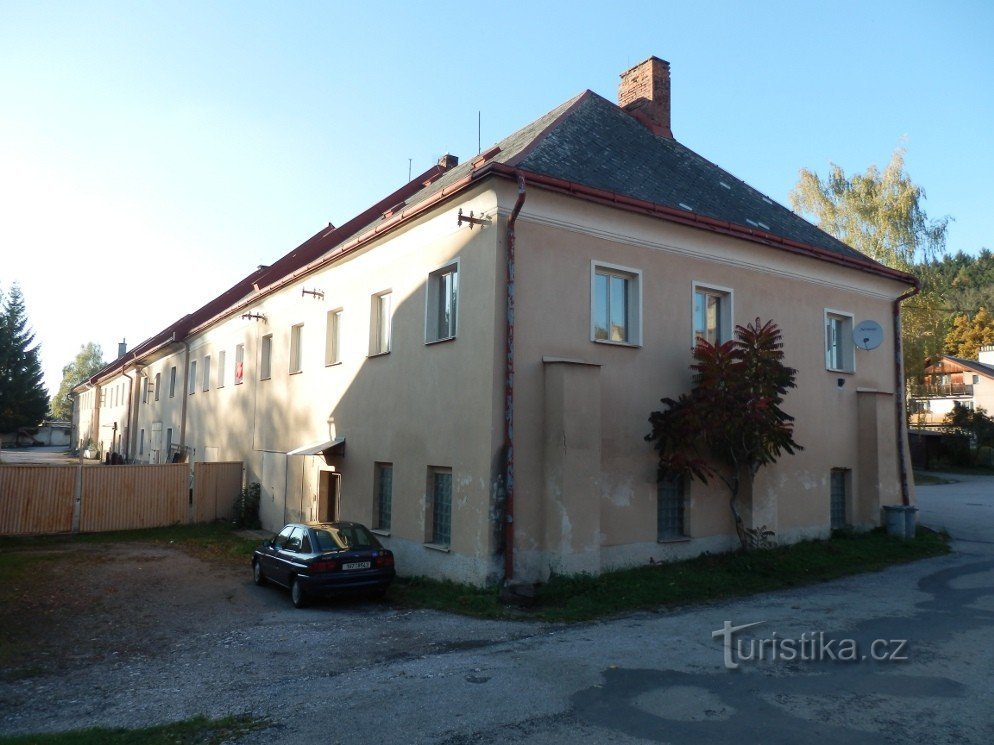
(318, 294)
(471, 219)
(254, 316)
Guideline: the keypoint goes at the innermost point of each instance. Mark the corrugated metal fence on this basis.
(39, 499)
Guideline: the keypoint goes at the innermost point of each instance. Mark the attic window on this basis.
(394, 209)
(687, 207)
(483, 157)
(724, 185)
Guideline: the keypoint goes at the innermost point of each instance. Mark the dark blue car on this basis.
(324, 559)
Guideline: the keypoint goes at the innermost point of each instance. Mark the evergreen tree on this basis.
(87, 362)
(23, 398)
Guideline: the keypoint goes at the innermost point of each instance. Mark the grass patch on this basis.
(703, 579)
(197, 730)
(924, 478)
(212, 541)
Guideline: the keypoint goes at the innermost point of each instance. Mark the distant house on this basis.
(950, 380)
(468, 366)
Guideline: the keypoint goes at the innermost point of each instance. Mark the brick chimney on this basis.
(644, 93)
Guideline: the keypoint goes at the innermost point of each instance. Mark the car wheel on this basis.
(297, 595)
(257, 576)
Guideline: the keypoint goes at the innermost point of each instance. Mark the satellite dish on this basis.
(868, 335)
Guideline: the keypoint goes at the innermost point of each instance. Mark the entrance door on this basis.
(329, 496)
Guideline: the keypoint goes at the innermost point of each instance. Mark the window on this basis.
(442, 294)
(169, 444)
(381, 318)
(616, 306)
(141, 442)
(440, 506)
(193, 377)
(333, 338)
(207, 373)
(239, 363)
(383, 489)
(144, 390)
(712, 314)
(266, 357)
(296, 335)
(172, 381)
(158, 382)
(670, 509)
(839, 498)
(221, 364)
(838, 342)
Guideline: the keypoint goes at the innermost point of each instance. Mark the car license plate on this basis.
(356, 565)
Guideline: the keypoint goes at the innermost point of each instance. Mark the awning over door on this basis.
(328, 448)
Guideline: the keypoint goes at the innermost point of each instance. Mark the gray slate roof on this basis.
(591, 141)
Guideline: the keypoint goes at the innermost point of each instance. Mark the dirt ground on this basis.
(86, 603)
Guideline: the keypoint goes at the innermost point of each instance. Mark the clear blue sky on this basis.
(151, 154)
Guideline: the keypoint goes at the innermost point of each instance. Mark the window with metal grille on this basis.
(383, 488)
(670, 509)
(839, 497)
(440, 482)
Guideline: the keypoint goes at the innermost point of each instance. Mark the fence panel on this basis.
(130, 497)
(215, 489)
(36, 499)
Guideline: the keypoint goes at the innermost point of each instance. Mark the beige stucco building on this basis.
(469, 366)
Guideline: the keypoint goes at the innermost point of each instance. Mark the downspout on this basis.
(899, 394)
(509, 391)
(186, 392)
(131, 395)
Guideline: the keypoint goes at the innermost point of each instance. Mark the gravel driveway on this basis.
(85, 648)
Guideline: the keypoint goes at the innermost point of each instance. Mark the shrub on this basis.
(247, 507)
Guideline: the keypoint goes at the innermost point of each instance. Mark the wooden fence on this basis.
(40, 499)
(36, 499)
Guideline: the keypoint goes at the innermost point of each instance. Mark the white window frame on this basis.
(206, 374)
(726, 320)
(172, 382)
(848, 347)
(239, 360)
(266, 357)
(634, 311)
(222, 361)
(192, 377)
(296, 348)
(158, 384)
(434, 298)
(333, 338)
(380, 333)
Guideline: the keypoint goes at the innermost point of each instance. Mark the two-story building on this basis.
(469, 365)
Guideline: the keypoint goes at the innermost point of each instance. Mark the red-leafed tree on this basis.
(730, 424)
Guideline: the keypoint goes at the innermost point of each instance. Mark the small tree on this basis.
(730, 424)
(84, 365)
(975, 424)
(969, 334)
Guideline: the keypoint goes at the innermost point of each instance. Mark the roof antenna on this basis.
(479, 144)
(409, 160)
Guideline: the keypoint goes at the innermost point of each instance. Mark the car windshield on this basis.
(345, 536)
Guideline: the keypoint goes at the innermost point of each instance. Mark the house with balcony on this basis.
(949, 381)
(469, 365)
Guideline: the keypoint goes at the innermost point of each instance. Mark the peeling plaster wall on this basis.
(559, 240)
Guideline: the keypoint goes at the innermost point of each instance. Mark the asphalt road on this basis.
(351, 673)
(663, 677)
